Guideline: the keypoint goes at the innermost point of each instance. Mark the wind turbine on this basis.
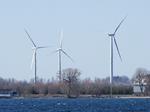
(113, 40)
(61, 51)
(34, 56)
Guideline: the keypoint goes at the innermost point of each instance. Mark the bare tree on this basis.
(70, 78)
(147, 79)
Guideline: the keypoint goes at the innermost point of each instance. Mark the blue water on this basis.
(74, 105)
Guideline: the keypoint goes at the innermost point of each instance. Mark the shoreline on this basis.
(81, 96)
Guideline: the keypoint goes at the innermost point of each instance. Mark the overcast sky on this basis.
(86, 24)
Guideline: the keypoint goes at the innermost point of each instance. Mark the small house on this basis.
(139, 88)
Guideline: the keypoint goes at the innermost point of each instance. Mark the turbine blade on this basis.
(30, 37)
(119, 25)
(61, 38)
(55, 51)
(33, 58)
(43, 47)
(117, 49)
(67, 55)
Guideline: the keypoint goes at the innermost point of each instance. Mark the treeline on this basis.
(71, 85)
(102, 87)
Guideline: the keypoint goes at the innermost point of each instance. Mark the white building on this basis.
(139, 88)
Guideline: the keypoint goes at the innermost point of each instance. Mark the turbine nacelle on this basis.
(111, 35)
(59, 49)
(34, 48)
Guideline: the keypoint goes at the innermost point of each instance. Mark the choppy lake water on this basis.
(74, 105)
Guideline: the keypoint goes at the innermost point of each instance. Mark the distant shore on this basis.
(81, 96)
(135, 97)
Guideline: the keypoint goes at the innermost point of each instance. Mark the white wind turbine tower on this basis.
(61, 51)
(113, 40)
(34, 57)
